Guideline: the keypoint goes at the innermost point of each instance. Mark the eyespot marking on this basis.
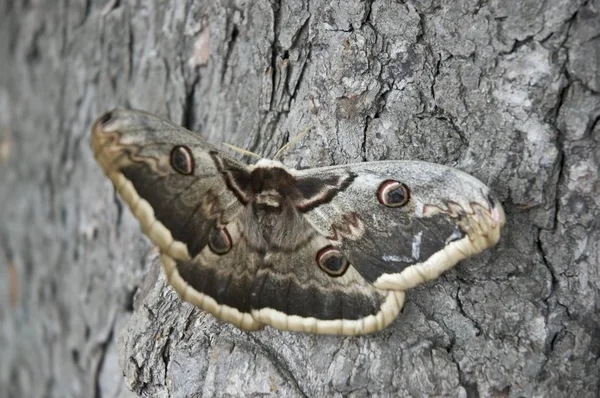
(332, 261)
(393, 194)
(219, 241)
(182, 160)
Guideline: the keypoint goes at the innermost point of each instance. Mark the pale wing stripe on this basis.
(207, 303)
(349, 327)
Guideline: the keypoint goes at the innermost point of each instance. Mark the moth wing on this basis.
(219, 283)
(190, 200)
(448, 216)
(292, 292)
(281, 288)
(177, 211)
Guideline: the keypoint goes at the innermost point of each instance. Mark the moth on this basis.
(327, 250)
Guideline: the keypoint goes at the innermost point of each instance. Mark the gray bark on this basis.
(508, 91)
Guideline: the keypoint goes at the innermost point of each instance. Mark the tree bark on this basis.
(508, 91)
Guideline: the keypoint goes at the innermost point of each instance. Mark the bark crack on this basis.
(102, 348)
(274, 52)
(233, 35)
(464, 313)
(188, 117)
(119, 207)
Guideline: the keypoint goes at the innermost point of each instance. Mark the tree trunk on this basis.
(508, 91)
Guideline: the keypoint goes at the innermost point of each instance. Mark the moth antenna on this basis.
(292, 142)
(242, 151)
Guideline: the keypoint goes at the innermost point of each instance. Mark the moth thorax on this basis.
(279, 227)
(271, 198)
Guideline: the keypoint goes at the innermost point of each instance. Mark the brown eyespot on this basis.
(393, 194)
(332, 261)
(219, 240)
(182, 160)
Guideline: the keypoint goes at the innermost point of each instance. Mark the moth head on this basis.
(270, 183)
(268, 163)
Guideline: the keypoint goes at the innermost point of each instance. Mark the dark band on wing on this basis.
(236, 178)
(172, 199)
(426, 236)
(229, 287)
(315, 191)
(285, 294)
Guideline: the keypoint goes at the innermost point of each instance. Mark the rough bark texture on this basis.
(506, 90)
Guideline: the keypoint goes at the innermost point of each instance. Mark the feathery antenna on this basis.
(292, 142)
(242, 151)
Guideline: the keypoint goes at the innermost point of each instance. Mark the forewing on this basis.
(177, 211)
(448, 216)
(184, 205)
